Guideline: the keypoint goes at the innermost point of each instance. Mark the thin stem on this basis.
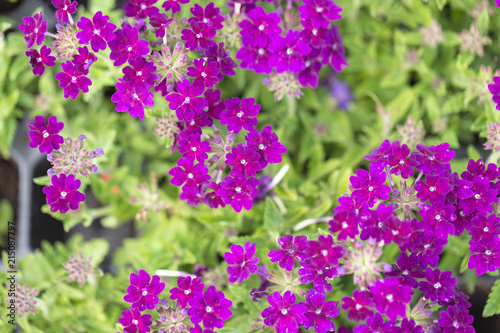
(279, 203)
(101, 211)
(308, 222)
(50, 34)
(393, 184)
(70, 18)
(167, 273)
(279, 176)
(417, 179)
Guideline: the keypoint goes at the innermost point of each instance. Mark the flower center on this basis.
(486, 229)
(191, 123)
(455, 324)
(426, 246)
(129, 49)
(261, 146)
(187, 99)
(487, 252)
(401, 162)
(205, 109)
(208, 309)
(462, 213)
(187, 291)
(145, 293)
(203, 74)
(205, 20)
(324, 252)
(198, 35)
(143, 6)
(239, 114)
(284, 311)
(190, 175)
(437, 285)
(405, 272)
(380, 224)
(289, 51)
(437, 217)
(320, 272)
(389, 297)
(135, 322)
(243, 161)
(136, 96)
(238, 189)
(139, 73)
(194, 149)
(65, 7)
(370, 188)
(432, 188)
(344, 225)
(358, 307)
(96, 31)
(45, 134)
(477, 196)
(431, 158)
(64, 194)
(315, 32)
(319, 9)
(318, 311)
(394, 232)
(308, 63)
(39, 59)
(261, 27)
(73, 79)
(36, 30)
(261, 51)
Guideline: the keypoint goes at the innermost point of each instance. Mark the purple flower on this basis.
(477, 168)
(358, 307)
(309, 76)
(320, 12)
(374, 225)
(438, 286)
(244, 162)
(437, 220)
(284, 313)
(319, 312)
(212, 308)
(484, 228)
(132, 98)
(256, 58)
(143, 293)
(494, 88)
(428, 247)
(291, 249)
(140, 71)
(260, 27)
(390, 297)
(408, 326)
(316, 36)
(434, 189)
(482, 198)
(401, 161)
(456, 320)
(206, 74)
(433, 158)
(160, 22)
(240, 113)
(141, 9)
(186, 103)
(84, 59)
(98, 32)
(34, 29)
(223, 59)
(189, 175)
(318, 273)
(186, 287)
(408, 269)
(63, 193)
(215, 106)
(485, 255)
(369, 186)
(380, 157)
(211, 15)
(192, 147)
(375, 324)
(289, 52)
(334, 52)
(212, 199)
(344, 221)
(72, 80)
(134, 322)
(241, 262)
(174, 5)
(127, 45)
(267, 145)
(38, 61)
(324, 251)
(64, 9)
(199, 34)
(238, 192)
(342, 95)
(45, 136)
(197, 329)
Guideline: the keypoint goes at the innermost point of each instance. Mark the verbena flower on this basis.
(256, 58)
(289, 52)
(226, 63)
(34, 29)
(185, 102)
(408, 326)
(63, 193)
(240, 114)
(291, 249)
(24, 299)
(359, 306)
(127, 45)
(319, 312)
(38, 61)
(132, 98)
(482, 198)
(375, 323)
(186, 287)
(72, 80)
(434, 189)
(390, 297)
(260, 27)
(244, 162)
(205, 73)
(408, 269)
(369, 186)
(84, 59)
(437, 286)
(173, 5)
(433, 158)
(143, 291)
(437, 220)
(428, 247)
(241, 262)
(484, 228)
(140, 72)
(320, 12)
(485, 255)
(78, 268)
(284, 314)
(238, 192)
(323, 250)
(141, 9)
(198, 35)
(45, 135)
(456, 320)
(267, 145)
(333, 53)
(99, 31)
(133, 321)
(215, 106)
(211, 308)
(189, 175)
(64, 9)
(193, 148)
(494, 89)
(160, 22)
(209, 15)
(319, 273)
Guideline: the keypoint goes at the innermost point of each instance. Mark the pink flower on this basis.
(38, 61)
(34, 29)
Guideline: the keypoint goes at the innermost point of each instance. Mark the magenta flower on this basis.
(484, 228)
(84, 59)
(319, 312)
(485, 255)
(408, 269)
(63, 193)
(241, 262)
(291, 249)
(494, 88)
(223, 59)
(34, 29)
(244, 162)
(98, 32)
(456, 320)
(482, 198)
(316, 36)
(266, 144)
(434, 189)
(256, 58)
(309, 76)
(192, 147)
(143, 293)
(173, 5)
(438, 286)
(433, 158)
(211, 15)
(408, 326)
(390, 297)
(318, 273)
(240, 113)
(333, 53)
(428, 247)
(260, 27)
(375, 323)
(72, 80)
(212, 199)
(140, 71)
(133, 321)
(38, 61)
(320, 12)
(211, 308)
(64, 9)
(215, 106)
(198, 34)
(189, 175)
(205, 73)
(132, 98)
(284, 314)
(380, 157)
(437, 220)
(185, 102)
(141, 9)
(324, 251)
(127, 45)
(369, 186)
(186, 287)
(359, 306)
(376, 222)
(401, 161)
(160, 22)
(45, 136)
(238, 192)
(289, 52)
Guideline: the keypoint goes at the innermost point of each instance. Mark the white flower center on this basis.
(261, 51)
(289, 51)
(401, 162)
(394, 232)
(320, 272)
(358, 307)
(205, 20)
(136, 96)
(194, 149)
(238, 189)
(239, 114)
(432, 188)
(380, 224)
(129, 48)
(203, 74)
(261, 146)
(318, 311)
(135, 322)
(96, 31)
(370, 188)
(324, 252)
(431, 158)
(455, 324)
(187, 99)
(39, 59)
(344, 225)
(437, 285)
(65, 7)
(315, 32)
(486, 229)
(73, 79)
(389, 297)
(208, 309)
(205, 108)
(405, 272)
(284, 311)
(437, 217)
(426, 246)
(45, 134)
(308, 63)
(36, 30)
(487, 252)
(192, 122)
(477, 196)
(319, 9)
(198, 35)
(243, 161)
(143, 6)
(187, 291)
(145, 293)
(64, 194)
(261, 27)
(190, 175)
(139, 73)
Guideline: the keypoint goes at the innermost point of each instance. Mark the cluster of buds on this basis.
(284, 84)
(78, 268)
(24, 299)
(493, 136)
(171, 320)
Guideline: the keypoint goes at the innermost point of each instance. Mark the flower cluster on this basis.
(69, 159)
(275, 44)
(78, 268)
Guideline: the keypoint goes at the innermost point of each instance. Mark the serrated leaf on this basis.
(493, 303)
(273, 218)
(483, 21)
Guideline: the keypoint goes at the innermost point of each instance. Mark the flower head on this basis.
(390, 297)
(320, 12)
(143, 293)
(38, 61)
(132, 98)
(456, 320)
(84, 59)
(78, 268)
(186, 287)
(266, 144)
(359, 306)
(72, 80)
(244, 162)
(284, 314)
(134, 322)
(34, 29)
(198, 35)
(319, 312)
(260, 27)
(291, 249)
(64, 9)
(211, 308)
(238, 192)
(185, 102)
(99, 31)
(127, 45)
(23, 299)
(63, 193)
(173, 5)
(240, 113)
(141, 9)
(206, 74)
(289, 52)
(369, 186)
(210, 15)
(241, 262)
(45, 135)
(225, 62)
(438, 286)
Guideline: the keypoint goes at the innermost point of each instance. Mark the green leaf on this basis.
(273, 218)
(441, 3)
(473, 153)
(483, 21)
(464, 60)
(493, 303)
(43, 180)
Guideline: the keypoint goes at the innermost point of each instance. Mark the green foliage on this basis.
(493, 304)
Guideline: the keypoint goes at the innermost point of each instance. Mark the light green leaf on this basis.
(273, 218)
(441, 3)
(483, 21)
(493, 303)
